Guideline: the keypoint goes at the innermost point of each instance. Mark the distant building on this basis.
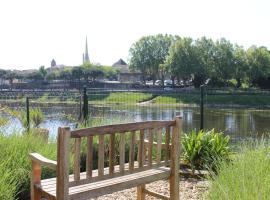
(53, 63)
(85, 55)
(125, 74)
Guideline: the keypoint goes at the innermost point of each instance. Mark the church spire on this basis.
(86, 56)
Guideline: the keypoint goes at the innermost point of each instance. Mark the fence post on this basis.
(202, 107)
(85, 105)
(27, 114)
(80, 108)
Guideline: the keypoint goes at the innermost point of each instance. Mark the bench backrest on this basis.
(139, 137)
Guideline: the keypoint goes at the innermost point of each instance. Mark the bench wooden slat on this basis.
(150, 146)
(159, 145)
(89, 157)
(120, 128)
(77, 159)
(141, 148)
(167, 143)
(122, 152)
(131, 150)
(101, 155)
(107, 186)
(111, 153)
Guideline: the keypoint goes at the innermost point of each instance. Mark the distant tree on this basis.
(223, 61)
(2, 75)
(53, 75)
(92, 72)
(259, 64)
(43, 72)
(65, 74)
(35, 76)
(110, 72)
(205, 51)
(77, 73)
(240, 65)
(148, 55)
(10, 76)
(182, 59)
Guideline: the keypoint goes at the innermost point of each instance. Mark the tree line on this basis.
(186, 59)
(87, 72)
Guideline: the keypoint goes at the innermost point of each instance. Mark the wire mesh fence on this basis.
(239, 113)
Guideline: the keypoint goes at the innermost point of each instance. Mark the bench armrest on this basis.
(41, 160)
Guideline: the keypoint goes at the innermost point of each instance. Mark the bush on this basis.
(246, 177)
(203, 150)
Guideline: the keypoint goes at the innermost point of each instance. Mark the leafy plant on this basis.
(36, 116)
(204, 150)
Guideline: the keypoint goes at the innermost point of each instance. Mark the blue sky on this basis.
(33, 32)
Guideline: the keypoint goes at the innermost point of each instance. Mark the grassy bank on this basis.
(246, 177)
(133, 98)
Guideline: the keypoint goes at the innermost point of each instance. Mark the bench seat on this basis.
(107, 186)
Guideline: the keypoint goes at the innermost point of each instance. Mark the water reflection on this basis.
(238, 123)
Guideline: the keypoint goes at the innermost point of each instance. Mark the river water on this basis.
(239, 123)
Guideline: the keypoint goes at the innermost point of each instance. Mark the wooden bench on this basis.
(147, 167)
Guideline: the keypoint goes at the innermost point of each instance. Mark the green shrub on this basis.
(247, 177)
(203, 150)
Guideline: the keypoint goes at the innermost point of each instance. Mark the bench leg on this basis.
(140, 192)
(35, 179)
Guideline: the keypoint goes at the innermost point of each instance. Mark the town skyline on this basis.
(42, 31)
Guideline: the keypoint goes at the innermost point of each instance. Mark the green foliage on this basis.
(246, 177)
(15, 165)
(203, 150)
(8, 182)
(36, 116)
(148, 55)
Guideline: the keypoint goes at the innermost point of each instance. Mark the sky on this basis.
(33, 32)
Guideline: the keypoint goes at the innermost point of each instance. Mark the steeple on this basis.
(86, 56)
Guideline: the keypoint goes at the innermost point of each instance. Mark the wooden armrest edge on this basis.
(43, 161)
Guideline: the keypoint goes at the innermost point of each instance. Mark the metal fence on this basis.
(238, 113)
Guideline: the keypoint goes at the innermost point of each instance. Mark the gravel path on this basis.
(190, 189)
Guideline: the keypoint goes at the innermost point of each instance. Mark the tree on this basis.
(223, 61)
(2, 75)
(205, 53)
(259, 64)
(148, 55)
(182, 60)
(35, 76)
(240, 65)
(92, 72)
(10, 76)
(43, 72)
(77, 73)
(65, 74)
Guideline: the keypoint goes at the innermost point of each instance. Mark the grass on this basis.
(245, 100)
(132, 98)
(247, 177)
(15, 165)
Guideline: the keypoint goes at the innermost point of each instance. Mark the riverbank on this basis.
(153, 100)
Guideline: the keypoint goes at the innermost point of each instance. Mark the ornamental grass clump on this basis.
(204, 150)
(246, 177)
